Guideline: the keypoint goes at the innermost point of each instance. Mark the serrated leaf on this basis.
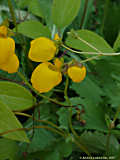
(94, 115)
(96, 142)
(63, 117)
(8, 149)
(8, 121)
(33, 29)
(15, 96)
(85, 90)
(88, 41)
(64, 11)
(41, 139)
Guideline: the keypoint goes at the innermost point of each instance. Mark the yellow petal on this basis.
(12, 65)
(44, 79)
(7, 48)
(58, 63)
(56, 37)
(42, 49)
(3, 31)
(76, 73)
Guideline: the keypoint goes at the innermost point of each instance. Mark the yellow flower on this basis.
(45, 77)
(56, 37)
(42, 49)
(8, 60)
(3, 31)
(12, 65)
(76, 73)
(58, 63)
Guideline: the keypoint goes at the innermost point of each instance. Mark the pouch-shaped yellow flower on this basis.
(76, 73)
(12, 65)
(8, 60)
(7, 48)
(45, 77)
(42, 49)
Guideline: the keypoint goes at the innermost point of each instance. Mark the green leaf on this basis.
(117, 43)
(33, 29)
(8, 149)
(85, 90)
(63, 117)
(65, 148)
(64, 11)
(41, 139)
(16, 97)
(96, 142)
(8, 121)
(88, 41)
(46, 6)
(35, 8)
(94, 115)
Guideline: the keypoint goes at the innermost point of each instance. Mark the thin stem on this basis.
(27, 129)
(65, 91)
(42, 121)
(84, 13)
(81, 146)
(108, 140)
(75, 34)
(105, 15)
(110, 129)
(89, 59)
(116, 115)
(10, 5)
(39, 94)
(91, 53)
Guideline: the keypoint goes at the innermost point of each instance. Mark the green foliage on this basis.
(16, 97)
(8, 149)
(55, 133)
(63, 118)
(8, 121)
(88, 41)
(63, 15)
(117, 43)
(33, 29)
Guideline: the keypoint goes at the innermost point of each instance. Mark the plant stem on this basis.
(42, 121)
(10, 5)
(109, 130)
(65, 91)
(90, 53)
(107, 2)
(35, 127)
(81, 146)
(84, 14)
(39, 94)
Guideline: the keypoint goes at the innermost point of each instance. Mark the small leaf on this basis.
(8, 121)
(88, 41)
(64, 11)
(16, 97)
(33, 29)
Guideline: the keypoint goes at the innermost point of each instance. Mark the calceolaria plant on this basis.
(59, 86)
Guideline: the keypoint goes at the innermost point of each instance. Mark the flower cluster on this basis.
(48, 75)
(8, 59)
